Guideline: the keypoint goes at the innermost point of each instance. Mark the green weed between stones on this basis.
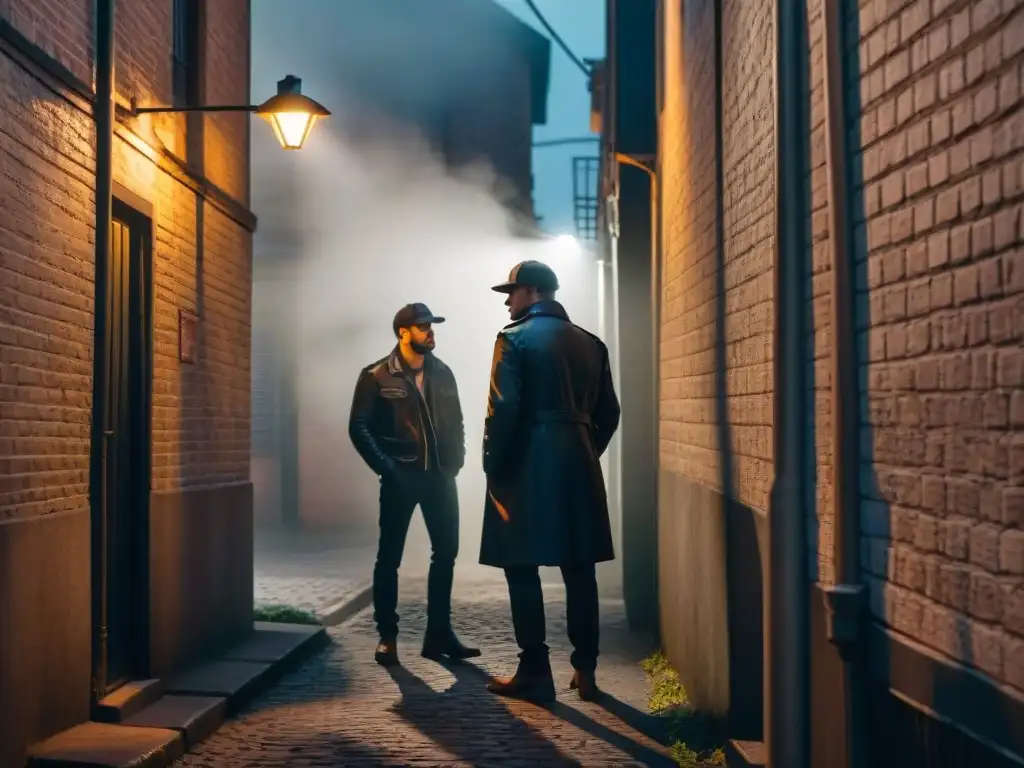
(283, 614)
(687, 730)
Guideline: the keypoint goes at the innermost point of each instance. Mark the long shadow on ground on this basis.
(479, 728)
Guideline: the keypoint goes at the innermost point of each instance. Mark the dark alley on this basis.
(511, 383)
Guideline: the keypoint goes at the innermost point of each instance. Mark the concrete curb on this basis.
(343, 610)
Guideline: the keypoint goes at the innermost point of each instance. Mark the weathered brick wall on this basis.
(61, 28)
(705, 543)
(688, 433)
(943, 319)
(689, 444)
(691, 515)
(203, 258)
(818, 290)
(749, 193)
(46, 299)
(200, 413)
(226, 135)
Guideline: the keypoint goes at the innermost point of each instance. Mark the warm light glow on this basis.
(291, 128)
(291, 114)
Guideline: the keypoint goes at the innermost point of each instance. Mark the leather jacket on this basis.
(392, 425)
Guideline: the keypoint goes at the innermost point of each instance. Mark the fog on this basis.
(392, 227)
(364, 219)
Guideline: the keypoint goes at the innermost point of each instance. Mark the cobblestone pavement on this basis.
(341, 709)
(311, 572)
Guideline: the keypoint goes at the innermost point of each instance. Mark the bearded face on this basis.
(420, 338)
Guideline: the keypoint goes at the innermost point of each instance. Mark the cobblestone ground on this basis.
(341, 709)
(310, 572)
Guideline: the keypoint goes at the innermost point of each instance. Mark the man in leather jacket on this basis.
(551, 413)
(406, 423)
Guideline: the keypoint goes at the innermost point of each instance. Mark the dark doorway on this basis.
(124, 548)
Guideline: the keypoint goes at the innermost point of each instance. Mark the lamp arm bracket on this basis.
(137, 110)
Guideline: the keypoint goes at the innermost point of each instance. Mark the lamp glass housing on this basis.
(290, 113)
(291, 128)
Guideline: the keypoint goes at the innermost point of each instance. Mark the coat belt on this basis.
(561, 417)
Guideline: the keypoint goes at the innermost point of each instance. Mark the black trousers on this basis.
(436, 495)
(582, 613)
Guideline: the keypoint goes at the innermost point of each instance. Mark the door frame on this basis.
(138, 214)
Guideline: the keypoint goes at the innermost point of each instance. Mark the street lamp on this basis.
(290, 113)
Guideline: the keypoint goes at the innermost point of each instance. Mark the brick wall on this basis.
(46, 297)
(938, 180)
(749, 193)
(200, 413)
(689, 443)
(61, 28)
(818, 290)
(691, 530)
(711, 538)
(227, 82)
(942, 295)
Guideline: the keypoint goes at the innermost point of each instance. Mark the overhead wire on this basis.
(562, 142)
(557, 38)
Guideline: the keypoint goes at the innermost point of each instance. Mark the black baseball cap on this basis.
(534, 274)
(414, 314)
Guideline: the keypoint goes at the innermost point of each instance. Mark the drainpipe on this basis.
(648, 164)
(615, 449)
(786, 642)
(103, 113)
(844, 599)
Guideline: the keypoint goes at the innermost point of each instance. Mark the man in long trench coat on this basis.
(552, 410)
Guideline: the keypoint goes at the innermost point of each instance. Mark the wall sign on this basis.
(188, 336)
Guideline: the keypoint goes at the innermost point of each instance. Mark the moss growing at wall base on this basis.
(691, 746)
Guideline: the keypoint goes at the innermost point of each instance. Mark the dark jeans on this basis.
(527, 600)
(436, 495)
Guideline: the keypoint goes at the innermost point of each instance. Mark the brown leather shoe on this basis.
(386, 653)
(585, 685)
(536, 687)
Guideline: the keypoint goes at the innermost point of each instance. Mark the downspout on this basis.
(616, 325)
(615, 449)
(647, 164)
(609, 138)
(103, 113)
(786, 641)
(843, 599)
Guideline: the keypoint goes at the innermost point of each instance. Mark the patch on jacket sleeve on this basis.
(393, 393)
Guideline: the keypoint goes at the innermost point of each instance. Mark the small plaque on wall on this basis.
(188, 335)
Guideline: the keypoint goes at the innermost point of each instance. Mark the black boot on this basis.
(585, 685)
(531, 682)
(435, 647)
(386, 653)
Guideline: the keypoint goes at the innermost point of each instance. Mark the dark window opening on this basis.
(185, 53)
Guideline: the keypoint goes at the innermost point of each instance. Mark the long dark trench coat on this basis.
(551, 413)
